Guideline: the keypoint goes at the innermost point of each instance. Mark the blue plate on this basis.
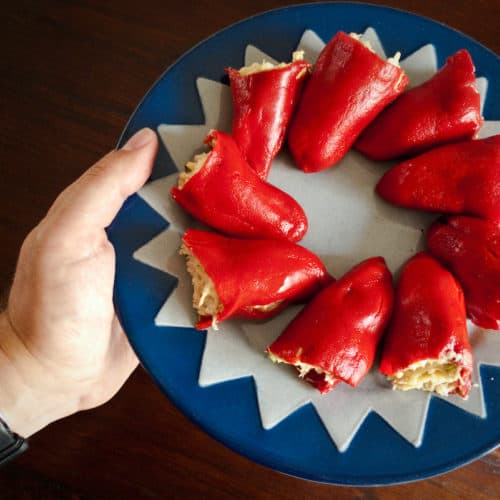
(300, 444)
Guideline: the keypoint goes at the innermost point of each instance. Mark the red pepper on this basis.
(457, 178)
(348, 87)
(470, 249)
(427, 345)
(444, 109)
(263, 103)
(335, 336)
(228, 195)
(254, 278)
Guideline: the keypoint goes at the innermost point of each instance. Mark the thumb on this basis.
(92, 201)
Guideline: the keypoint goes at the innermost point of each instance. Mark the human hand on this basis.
(62, 348)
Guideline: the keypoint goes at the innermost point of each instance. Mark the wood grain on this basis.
(72, 72)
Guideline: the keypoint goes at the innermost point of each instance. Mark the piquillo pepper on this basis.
(470, 248)
(460, 178)
(335, 336)
(444, 109)
(264, 97)
(253, 279)
(348, 87)
(427, 345)
(224, 192)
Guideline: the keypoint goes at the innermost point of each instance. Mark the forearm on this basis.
(25, 406)
(15, 396)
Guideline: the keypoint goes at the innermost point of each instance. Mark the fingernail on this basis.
(139, 139)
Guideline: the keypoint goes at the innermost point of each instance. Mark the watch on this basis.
(11, 444)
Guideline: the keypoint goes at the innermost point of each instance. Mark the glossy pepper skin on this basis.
(461, 178)
(339, 329)
(348, 87)
(228, 195)
(249, 273)
(470, 248)
(428, 320)
(444, 109)
(263, 103)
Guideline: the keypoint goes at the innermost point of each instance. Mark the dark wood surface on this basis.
(71, 74)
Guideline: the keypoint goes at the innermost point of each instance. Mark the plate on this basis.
(299, 444)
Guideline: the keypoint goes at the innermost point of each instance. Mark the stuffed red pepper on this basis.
(427, 345)
(248, 278)
(334, 338)
(264, 97)
(461, 178)
(444, 109)
(348, 87)
(470, 248)
(223, 191)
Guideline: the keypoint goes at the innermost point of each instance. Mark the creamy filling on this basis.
(192, 168)
(205, 298)
(298, 55)
(442, 376)
(267, 307)
(305, 368)
(394, 60)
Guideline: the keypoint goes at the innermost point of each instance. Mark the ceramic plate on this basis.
(353, 437)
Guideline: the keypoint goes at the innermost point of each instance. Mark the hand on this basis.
(62, 348)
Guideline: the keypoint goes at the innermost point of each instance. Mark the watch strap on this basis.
(11, 444)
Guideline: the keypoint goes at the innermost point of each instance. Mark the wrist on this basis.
(25, 403)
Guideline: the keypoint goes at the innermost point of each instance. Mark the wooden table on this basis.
(72, 72)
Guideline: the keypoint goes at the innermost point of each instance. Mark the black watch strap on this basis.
(11, 444)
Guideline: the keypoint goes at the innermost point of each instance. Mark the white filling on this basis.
(305, 368)
(205, 298)
(298, 55)
(192, 167)
(442, 375)
(394, 60)
(267, 307)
